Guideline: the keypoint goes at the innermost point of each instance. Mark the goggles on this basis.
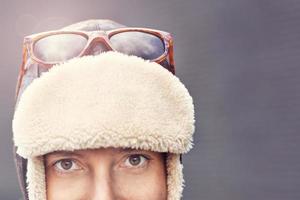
(53, 47)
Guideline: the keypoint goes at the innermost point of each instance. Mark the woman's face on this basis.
(106, 174)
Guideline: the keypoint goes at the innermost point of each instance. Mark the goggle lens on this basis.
(61, 47)
(140, 44)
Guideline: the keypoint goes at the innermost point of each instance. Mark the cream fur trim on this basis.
(175, 180)
(35, 179)
(108, 100)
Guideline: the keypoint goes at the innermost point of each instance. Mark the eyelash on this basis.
(146, 159)
(61, 170)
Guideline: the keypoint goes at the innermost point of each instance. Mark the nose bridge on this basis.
(98, 43)
(103, 184)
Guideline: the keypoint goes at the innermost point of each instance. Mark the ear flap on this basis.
(35, 179)
(175, 179)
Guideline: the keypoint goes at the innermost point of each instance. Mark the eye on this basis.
(136, 160)
(66, 165)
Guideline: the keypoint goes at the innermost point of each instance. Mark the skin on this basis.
(106, 174)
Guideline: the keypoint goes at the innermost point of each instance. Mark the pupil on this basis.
(66, 164)
(135, 160)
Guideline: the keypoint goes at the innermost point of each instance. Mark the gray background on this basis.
(238, 58)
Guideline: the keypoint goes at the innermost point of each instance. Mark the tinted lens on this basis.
(60, 47)
(141, 44)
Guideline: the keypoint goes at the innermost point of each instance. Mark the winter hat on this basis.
(107, 100)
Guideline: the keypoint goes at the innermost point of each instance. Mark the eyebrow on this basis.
(128, 150)
(80, 155)
(65, 153)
